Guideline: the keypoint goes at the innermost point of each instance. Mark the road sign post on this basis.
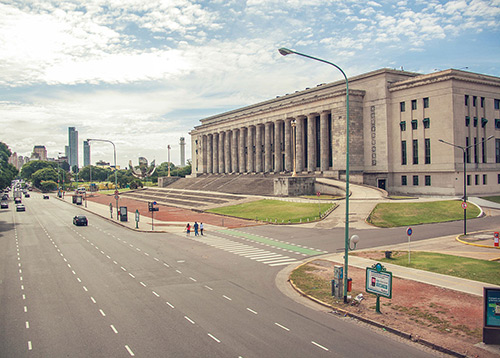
(319, 204)
(116, 197)
(409, 231)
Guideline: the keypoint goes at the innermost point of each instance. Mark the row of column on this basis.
(269, 147)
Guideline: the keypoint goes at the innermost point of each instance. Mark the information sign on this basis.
(379, 282)
(491, 309)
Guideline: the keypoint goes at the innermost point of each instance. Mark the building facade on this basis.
(397, 122)
(86, 153)
(39, 152)
(73, 147)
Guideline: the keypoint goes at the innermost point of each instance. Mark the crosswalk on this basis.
(249, 251)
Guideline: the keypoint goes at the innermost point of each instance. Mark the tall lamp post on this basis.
(168, 147)
(284, 52)
(464, 150)
(116, 169)
(294, 139)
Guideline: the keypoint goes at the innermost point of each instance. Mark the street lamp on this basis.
(294, 139)
(114, 155)
(168, 147)
(464, 150)
(284, 52)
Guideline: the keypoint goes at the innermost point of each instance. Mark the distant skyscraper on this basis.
(40, 152)
(86, 153)
(183, 152)
(73, 147)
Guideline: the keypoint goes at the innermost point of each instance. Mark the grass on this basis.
(405, 214)
(274, 210)
(463, 267)
(495, 199)
(322, 197)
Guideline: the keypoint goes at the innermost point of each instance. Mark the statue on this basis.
(144, 171)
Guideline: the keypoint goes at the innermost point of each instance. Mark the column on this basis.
(227, 151)
(267, 147)
(241, 148)
(311, 142)
(215, 150)
(288, 145)
(258, 148)
(250, 149)
(299, 144)
(234, 151)
(204, 153)
(221, 153)
(278, 152)
(324, 143)
(209, 154)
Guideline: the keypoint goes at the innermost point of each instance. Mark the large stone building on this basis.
(397, 120)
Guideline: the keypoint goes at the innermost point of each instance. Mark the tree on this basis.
(98, 173)
(136, 183)
(43, 175)
(33, 166)
(48, 185)
(7, 171)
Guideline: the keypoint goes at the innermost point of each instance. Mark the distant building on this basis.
(73, 147)
(39, 152)
(183, 152)
(14, 160)
(86, 153)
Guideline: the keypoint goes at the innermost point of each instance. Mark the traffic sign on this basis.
(464, 205)
(318, 193)
(116, 197)
(116, 192)
(409, 231)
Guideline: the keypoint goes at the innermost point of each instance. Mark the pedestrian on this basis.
(188, 229)
(201, 229)
(195, 226)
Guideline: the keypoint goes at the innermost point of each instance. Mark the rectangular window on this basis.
(426, 102)
(413, 104)
(483, 151)
(476, 179)
(414, 124)
(402, 106)
(475, 121)
(497, 123)
(498, 179)
(468, 179)
(497, 150)
(483, 122)
(467, 121)
(427, 151)
(427, 180)
(466, 99)
(404, 180)
(475, 150)
(403, 152)
(467, 154)
(482, 102)
(484, 179)
(415, 180)
(427, 123)
(415, 151)
(497, 103)
(474, 100)
(402, 125)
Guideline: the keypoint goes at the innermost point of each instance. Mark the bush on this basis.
(48, 185)
(136, 183)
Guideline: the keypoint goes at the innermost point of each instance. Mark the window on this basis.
(468, 179)
(476, 179)
(484, 179)
(482, 102)
(467, 121)
(413, 104)
(415, 151)
(414, 124)
(403, 152)
(483, 122)
(402, 106)
(498, 179)
(427, 180)
(427, 123)
(475, 150)
(497, 123)
(402, 125)
(404, 180)
(468, 149)
(483, 150)
(475, 121)
(497, 103)
(415, 180)
(474, 100)
(426, 102)
(427, 151)
(497, 150)
(466, 99)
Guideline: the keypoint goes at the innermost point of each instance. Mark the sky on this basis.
(142, 73)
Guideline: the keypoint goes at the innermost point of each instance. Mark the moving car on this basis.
(80, 220)
(20, 207)
(4, 205)
(45, 196)
(17, 200)
(27, 195)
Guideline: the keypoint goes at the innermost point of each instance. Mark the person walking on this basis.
(188, 229)
(201, 229)
(195, 226)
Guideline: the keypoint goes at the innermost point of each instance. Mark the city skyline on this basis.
(143, 75)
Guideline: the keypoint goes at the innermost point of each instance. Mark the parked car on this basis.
(4, 205)
(20, 207)
(80, 220)
(45, 196)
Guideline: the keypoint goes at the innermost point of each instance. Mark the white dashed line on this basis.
(102, 312)
(30, 347)
(227, 298)
(171, 305)
(214, 338)
(25, 309)
(178, 271)
(320, 346)
(210, 288)
(192, 279)
(142, 283)
(154, 293)
(280, 326)
(85, 288)
(189, 319)
(27, 325)
(164, 264)
(93, 299)
(251, 310)
(114, 329)
(123, 268)
(130, 351)
(131, 275)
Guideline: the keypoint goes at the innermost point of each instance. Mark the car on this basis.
(27, 195)
(5, 197)
(17, 200)
(80, 220)
(20, 207)
(4, 205)
(45, 196)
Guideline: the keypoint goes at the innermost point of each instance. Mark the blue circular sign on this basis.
(409, 231)
(154, 202)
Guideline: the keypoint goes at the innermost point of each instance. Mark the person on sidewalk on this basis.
(188, 229)
(195, 226)
(201, 229)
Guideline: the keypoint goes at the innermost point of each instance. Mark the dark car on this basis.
(45, 196)
(27, 195)
(80, 220)
(4, 205)
(5, 197)
(20, 207)
(17, 200)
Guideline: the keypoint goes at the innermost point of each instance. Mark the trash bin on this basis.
(388, 254)
(349, 284)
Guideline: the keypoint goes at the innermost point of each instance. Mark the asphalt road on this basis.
(105, 291)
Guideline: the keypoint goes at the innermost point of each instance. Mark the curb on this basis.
(374, 323)
(478, 245)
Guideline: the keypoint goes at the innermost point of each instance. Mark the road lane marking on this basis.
(114, 329)
(116, 263)
(146, 254)
(24, 297)
(281, 326)
(25, 308)
(142, 283)
(210, 288)
(78, 278)
(102, 312)
(227, 298)
(178, 271)
(214, 338)
(93, 299)
(171, 305)
(129, 351)
(27, 325)
(85, 288)
(131, 275)
(156, 259)
(251, 310)
(123, 268)
(30, 347)
(154, 293)
(189, 319)
(320, 346)
(164, 264)
(192, 279)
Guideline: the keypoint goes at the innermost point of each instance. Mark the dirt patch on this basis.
(447, 318)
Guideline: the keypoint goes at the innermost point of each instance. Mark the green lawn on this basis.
(495, 199)
(464, 267)
(274, 210)
(404, 214)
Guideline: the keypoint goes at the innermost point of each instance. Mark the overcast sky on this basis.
(142, 73)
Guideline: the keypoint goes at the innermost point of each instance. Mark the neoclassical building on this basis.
(396, 120)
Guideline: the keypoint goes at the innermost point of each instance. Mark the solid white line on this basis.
(102, 312)
(214, 338)
(283, 263)
(227, 298)
(280, 326)
(154, 293)
(130, 351)
(114, 329)
(171, 305)
(319, 345)
(189, 319)
(251, 310)
(30, 347)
